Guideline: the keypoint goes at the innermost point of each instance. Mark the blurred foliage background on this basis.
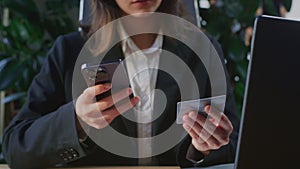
(27, 32)
(230, 22)
(29, 27)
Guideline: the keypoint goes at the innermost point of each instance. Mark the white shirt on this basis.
(142, 66)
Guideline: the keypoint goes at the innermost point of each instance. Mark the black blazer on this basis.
(43, 133)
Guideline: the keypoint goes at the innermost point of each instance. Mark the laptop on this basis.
(270, 122)
(269, 133)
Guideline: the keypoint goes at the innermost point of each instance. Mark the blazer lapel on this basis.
(168, 85)
(115, 53)
(124, 126)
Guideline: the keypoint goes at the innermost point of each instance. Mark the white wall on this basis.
(294, 13)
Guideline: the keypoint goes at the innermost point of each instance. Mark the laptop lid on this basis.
(270, 123)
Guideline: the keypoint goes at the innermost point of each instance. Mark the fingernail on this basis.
(207, 108)
(136, 99)
(107, 86)
(185, 117)
(185, 126)
(192, 115)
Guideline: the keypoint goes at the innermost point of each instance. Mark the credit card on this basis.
(198, 105)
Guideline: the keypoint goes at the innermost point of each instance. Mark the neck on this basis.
(144, 41)
(149, 24)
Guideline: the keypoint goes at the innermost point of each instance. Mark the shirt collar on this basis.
(129, 45)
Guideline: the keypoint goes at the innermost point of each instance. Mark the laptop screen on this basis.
(270, 125)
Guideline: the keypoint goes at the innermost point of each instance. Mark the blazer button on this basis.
(74, 152)
(65, 155)
(68, 154)
(75, 155)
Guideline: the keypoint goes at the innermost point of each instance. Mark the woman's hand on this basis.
(208, 133)
(99, 114)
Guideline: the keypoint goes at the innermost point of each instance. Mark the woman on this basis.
(47, 131)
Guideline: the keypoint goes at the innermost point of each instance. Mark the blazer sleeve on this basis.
(189, 156)
(43, 133)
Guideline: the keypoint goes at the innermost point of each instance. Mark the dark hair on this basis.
(105, 11)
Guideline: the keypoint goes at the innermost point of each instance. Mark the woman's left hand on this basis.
(208, 133)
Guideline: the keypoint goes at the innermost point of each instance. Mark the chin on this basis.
(142, 13)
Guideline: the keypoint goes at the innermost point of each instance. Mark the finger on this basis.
(219, 118)
(221, 135)
(213, 143)
(207, 128)
(90, 117)
(109, 101)
(202, 121)
(98, 120)
(190, 131)
(213, 112)
(104, 118)
(196, 131)
(98, 123)
(204, 141)
(112, 112)
(225, 123)
(92, 91)
(191, 124)
(197, 123)
(116, 111)
(205, 135)
(200, 145)
(193, 134)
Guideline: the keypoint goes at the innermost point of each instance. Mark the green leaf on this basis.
(26, 9)
(14, 97)
(240, 88)
(9, 74)
(270, 8)
(4, 62)
(233, 8)
(237, 51)
(287, 4)
(242, 71)
(249, 12)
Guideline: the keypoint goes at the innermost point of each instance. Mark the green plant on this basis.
(26, 37)
(230, 21)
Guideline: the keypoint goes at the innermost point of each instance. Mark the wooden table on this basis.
(131, 167)
(3, 166)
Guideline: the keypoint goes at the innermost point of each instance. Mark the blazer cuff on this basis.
(194, 156)
(72, 149)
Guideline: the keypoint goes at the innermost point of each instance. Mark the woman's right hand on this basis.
(99, 114)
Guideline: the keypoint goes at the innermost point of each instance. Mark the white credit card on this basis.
(198, 105)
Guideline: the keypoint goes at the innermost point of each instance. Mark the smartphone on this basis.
(113, 72)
